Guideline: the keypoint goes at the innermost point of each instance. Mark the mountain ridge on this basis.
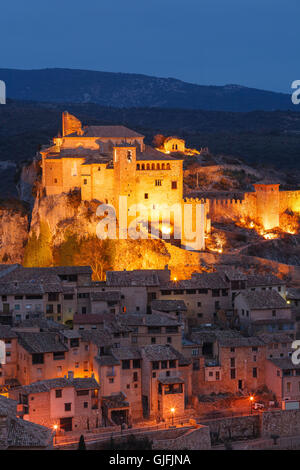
(125, 90)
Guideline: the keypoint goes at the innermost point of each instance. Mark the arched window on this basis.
(148, 166)
(168, 166)
(138, 166)
(153, 166)
(163, 166)
(158, 166)
(143, 166)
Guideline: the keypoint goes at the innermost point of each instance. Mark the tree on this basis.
(81, 444)
(158, 140)
(97, 253)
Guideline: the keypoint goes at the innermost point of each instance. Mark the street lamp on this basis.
(172, 411)
(251, 398)
(55, 429)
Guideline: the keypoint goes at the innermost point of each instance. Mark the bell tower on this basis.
(125, 173)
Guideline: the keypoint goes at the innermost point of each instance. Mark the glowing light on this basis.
(55, 427)
(166, 230)
(270, 236)
(251, 398)
(174, 278)
(173, 410)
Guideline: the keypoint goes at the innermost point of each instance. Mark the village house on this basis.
(226, 362)
(278, 345)
(153, 329)
(264, 311)
(283, 378)
(162, 376)
(68, 403)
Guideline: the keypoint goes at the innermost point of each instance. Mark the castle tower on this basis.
(124, 158)
(267, 204)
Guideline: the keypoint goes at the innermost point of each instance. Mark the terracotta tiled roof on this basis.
(46, 385)
(41, 342)
(109, 131)
(168, 305)
(170, 380)
(126, 353)
(268, 299)
(293, 293)
(157, 352)
(107, 360)
(257, 280)
(24, 434)
(6, 332)
(106, 296)
(138, 278)
(284, 363)
(148, 320)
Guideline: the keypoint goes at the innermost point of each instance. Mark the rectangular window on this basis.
(37, 358)
(146, 196)
(68, 296)
(58, 393)
(68, 406)
(136, 363)
(174, 185)
(53, 296)
(82, 393)
(58, 356)
(49, 308)
(158, 182)
(232, 373)
(126, 364)
(254, 372)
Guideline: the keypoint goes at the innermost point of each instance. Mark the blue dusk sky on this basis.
(211, 42)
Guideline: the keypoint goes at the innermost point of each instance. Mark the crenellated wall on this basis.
(242, 206)
(264, 206)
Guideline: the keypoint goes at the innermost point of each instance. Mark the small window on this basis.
(174, 185)
(68, 406)
(146, 196)
(58, 393)
(85, 181)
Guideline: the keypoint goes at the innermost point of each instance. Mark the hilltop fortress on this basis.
(106, 162)
(109, 162)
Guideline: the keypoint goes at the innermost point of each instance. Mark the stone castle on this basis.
(106, 162)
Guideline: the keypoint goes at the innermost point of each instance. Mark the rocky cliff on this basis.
(13, 231)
